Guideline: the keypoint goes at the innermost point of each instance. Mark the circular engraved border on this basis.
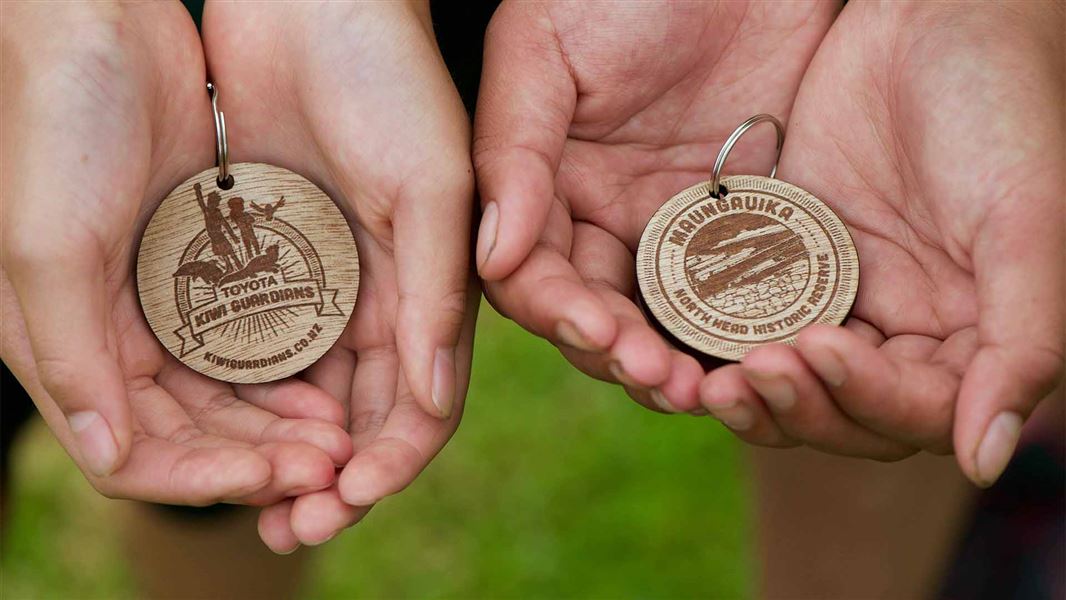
(680, 310)
(715, 344)
(159, 295)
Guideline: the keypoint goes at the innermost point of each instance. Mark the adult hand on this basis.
(937, 135)
(357, 98)
(590, 116)
(97, 105)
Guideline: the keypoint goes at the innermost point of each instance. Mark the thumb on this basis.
(60, 285)
(1018, 259)
(433, 270)
(525, 106)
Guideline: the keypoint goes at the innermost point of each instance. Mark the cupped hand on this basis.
(590, 116)
(936, 133)
(356, 98)
(105, 111)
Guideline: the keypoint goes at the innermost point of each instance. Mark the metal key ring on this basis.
(221, 144)
(716, 173)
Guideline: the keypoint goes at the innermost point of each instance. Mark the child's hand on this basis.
(356, 98)
(592, 115)
(937, 135)
(104, 112)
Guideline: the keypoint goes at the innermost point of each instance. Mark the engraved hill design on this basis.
(747, 265)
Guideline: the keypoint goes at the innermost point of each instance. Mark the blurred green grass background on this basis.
(555, 485)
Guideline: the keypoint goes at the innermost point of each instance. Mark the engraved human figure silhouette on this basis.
(217, 228)
(244, 222)
(267, 210)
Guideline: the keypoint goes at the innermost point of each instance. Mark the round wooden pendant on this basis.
(249, 284)
(724, 275)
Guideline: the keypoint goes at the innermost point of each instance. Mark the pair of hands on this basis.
(935, 132)
(934, 136)
(105, 111)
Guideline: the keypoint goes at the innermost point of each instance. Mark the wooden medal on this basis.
(248, 284)
(724, 273)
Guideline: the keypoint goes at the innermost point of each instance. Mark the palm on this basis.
(645, 96)
(936, 156)
(368, 113)
(121, 150)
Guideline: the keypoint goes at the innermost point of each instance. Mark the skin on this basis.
(906, 123)
(369, 112)
(96, 132)
(936, 133)
(590, 116)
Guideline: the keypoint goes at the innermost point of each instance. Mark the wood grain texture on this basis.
(250, 284)
(754, 267)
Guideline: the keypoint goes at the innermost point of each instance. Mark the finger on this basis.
(158, 469)
(681, 391)
(294, 399)
(726, 394)
(275, 530)
(902, 390)
(295, 469)
(166, 472)
(317, 518)
(639, 357)
(1018, 263)
(216, 410)
(800, 405)
(373, 394)
(547, 297)
(333, 374)
(408, 440)
(326, 437)
(525, 105)
(431, 228)
(72, 341)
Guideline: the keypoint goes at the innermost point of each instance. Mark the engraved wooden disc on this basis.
(754, 267)
(249, 284)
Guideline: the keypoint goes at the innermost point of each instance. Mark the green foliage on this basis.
(555, 486)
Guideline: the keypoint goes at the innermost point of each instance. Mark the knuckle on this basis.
(184, 434)
(60, 377)
(450, 307)
(24, 252)
(367, 421)
(1046, 366)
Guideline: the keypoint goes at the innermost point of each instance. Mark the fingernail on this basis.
(996, 449)
(828, 366)
(320, 542)
(569, 335)
(486, 234)
(718, 400)
(444, 381)
(620, 374)
(660, 400)
(776, 390)
(95, 441)
(287, 552)
(699, 412)
(737, 418)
